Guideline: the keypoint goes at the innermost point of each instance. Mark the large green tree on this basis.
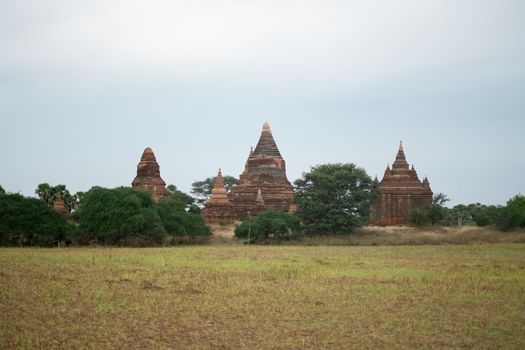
(438, 213)
(202, 189)
(2, 191)
(178, 221)
(334, 198)
(180, 196)
(512, 215)
(29, 221)
(121, 216)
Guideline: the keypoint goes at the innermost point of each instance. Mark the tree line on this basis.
(331, 199)
(122, 216)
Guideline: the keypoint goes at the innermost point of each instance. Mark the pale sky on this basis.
(85, 86)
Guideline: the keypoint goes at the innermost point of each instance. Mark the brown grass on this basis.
(257, 297)
(403, 235)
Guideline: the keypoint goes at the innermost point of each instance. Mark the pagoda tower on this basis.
(219, 208)
(59, 206)
(148, 176)
(264, 177)
(400, 192)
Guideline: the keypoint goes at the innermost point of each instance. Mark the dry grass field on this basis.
(264, 297)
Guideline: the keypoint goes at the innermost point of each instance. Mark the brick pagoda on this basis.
(148, 176)
(59, 206)
(218, 208)
(264, 178)
(400, 193)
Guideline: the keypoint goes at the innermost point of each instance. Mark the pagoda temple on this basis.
(219, 209)
(263, 184)
(148, 176)
(59, 206)
(400, 192)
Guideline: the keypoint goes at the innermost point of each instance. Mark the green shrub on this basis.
(275, 223)
(29, 221)
(512, 215)
(419, 218)
(113, 216)
(177, 221)
(482, 219)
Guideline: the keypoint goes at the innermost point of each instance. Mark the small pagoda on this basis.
(148, 176)
(218, 209)
(400, 192)
(59, 205)
(264, 178)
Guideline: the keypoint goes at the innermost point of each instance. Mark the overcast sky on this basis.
(85, 86)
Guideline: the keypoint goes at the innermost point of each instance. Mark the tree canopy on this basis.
(275, 223)
(29, 221)
(177, 221)
(334, 198)
(121, 216)
(126, 216)
(436, 214)
(2, 191)
(180, 196)
(512, 215)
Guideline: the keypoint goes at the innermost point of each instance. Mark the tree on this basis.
(77, 199)
(512, 215)
(48, 193)
(419, 218)
(438, 213)
(45, 192)
(375, 187)
(334, 198)
(179, 222)
(202, 189)
(122, 216)
(271, 222)
(435, 214)
(2, 191)
(181, 197)
(29, 221)
(459, 215)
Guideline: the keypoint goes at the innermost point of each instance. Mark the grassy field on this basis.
(443, 296)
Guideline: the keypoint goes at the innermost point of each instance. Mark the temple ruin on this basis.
(59, 205)
(263, 184)
(218, 209)
(400, 192)
(148, 176)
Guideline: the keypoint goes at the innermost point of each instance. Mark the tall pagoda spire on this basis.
(148, 176)
(265, 170)
(266, 145)
(400, 162)
(148, 155)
